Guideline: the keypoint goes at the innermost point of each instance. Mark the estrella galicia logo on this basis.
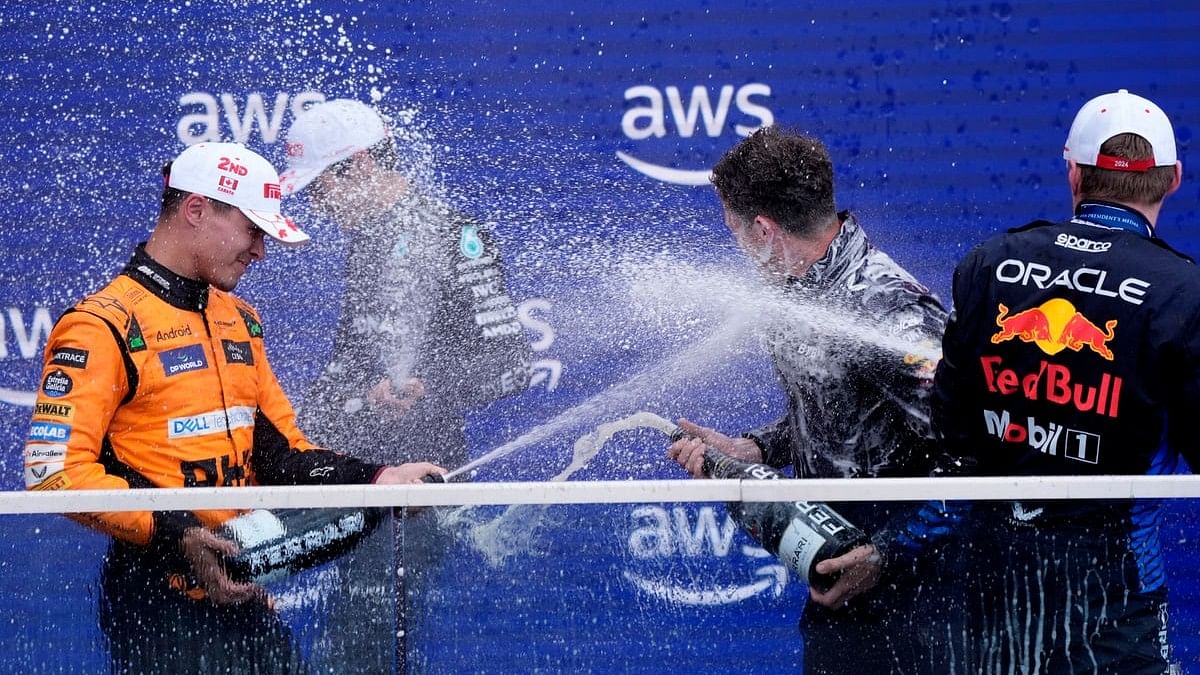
(238, 352)
(49, 432)
(649, 117)
(183, 359)
(70, 357)
(57, 384)
(469, 244)
(252, 325)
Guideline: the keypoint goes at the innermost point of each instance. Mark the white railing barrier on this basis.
(604, 492)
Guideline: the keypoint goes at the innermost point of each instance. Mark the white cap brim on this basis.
(293, 181)
(277, 226)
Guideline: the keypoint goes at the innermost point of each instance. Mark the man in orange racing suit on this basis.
(161, 379)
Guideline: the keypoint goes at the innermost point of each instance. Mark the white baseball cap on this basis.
(327, 133)
(1121, 113)
(236, 175)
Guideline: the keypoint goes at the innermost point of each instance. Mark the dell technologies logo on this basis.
(652, 109)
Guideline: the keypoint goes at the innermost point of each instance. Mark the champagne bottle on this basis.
(275, 544)
(799, 534)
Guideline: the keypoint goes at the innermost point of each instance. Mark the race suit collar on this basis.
(1112, 216)
(181, 292)
(848, 247)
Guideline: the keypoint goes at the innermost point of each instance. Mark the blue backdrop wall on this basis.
(584, 130)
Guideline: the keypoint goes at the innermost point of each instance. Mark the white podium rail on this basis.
(603, 492)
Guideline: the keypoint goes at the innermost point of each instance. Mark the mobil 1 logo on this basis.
(1049, 439)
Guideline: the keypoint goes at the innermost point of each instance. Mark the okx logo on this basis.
(671, 111)
(1053, 326)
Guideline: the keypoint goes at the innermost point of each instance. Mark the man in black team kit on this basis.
(1075, 349)
(428, 331)
(851, 413)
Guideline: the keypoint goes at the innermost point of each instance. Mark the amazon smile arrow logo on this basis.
(769, 577)
(664, 173)
(649, 109)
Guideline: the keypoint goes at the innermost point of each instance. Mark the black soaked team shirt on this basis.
(1074, 350)
(426, 298)
(856, 360)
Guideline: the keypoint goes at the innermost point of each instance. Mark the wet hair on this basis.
(1147, 187)
(785, 176)
(172, 197)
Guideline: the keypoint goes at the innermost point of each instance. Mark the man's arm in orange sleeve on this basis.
(84, 380)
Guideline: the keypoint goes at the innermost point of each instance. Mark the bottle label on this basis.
(255, 528)
(799, 546)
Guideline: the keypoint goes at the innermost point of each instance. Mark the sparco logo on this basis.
(1080, 244)
(651, 109)
(1050, 439)
(668, 546)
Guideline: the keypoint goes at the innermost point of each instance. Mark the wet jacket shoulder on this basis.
(427, 298)
(1097, 326)
(858, 385)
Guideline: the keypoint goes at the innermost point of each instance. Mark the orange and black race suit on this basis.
(162, 381)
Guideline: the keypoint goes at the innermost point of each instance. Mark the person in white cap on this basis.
(1074, 349)
(161, 379)
(428, 330)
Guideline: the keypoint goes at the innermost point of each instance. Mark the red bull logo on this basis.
(1053, 326)
(1056, 384)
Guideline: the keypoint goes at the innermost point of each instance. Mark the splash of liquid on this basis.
(515, 530)
(701, 356)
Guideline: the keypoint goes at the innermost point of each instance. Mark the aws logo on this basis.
(652, 110)
(669, 546)
(23, 335)
(203, 118)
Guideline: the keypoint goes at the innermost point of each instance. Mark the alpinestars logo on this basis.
(648, 118)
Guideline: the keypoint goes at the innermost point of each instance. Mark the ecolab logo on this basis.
(49, 432)
(649, 117)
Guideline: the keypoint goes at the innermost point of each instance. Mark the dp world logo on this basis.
(652, 113)
(688, 557)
